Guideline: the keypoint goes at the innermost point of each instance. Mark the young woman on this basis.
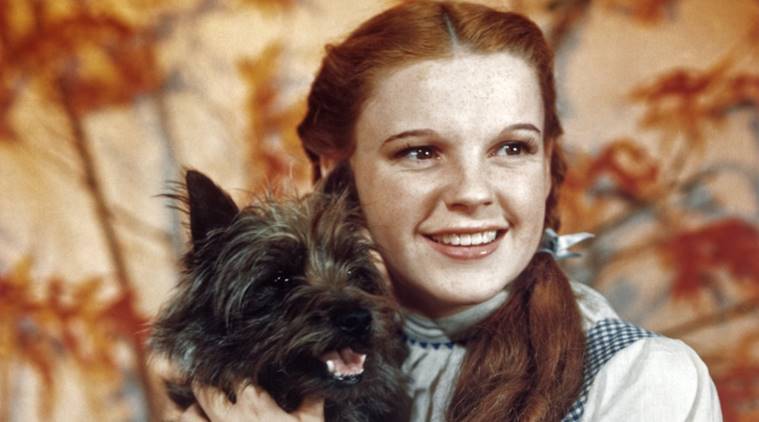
(446, 114)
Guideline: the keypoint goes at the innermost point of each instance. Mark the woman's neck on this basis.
(453, 326)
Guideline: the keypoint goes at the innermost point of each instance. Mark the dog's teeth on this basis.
(344, 364)
(341, 375)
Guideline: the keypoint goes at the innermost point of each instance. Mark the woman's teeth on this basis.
(468, 239)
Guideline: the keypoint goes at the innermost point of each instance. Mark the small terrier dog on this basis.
(285, 295)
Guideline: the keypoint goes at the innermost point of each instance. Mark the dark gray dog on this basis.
(284, 294)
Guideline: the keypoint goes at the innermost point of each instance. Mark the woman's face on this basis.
(453, 175)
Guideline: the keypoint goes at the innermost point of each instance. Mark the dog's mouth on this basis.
(344, 365)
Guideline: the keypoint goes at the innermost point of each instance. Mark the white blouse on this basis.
(652, 379)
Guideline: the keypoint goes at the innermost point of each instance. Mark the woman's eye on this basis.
(514, 148)
(418, 153)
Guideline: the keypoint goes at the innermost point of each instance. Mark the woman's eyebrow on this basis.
(520, 126)
(430, 132)
(407, 133)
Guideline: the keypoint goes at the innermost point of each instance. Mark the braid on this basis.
(525, 361)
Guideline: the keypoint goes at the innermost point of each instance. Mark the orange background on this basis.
(102, 103)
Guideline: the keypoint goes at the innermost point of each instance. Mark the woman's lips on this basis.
(467, 252)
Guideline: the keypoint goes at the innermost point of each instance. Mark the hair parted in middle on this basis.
(525, 361)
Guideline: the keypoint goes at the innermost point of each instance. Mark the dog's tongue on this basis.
(345, 361)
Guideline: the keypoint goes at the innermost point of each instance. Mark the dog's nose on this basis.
(353, 322)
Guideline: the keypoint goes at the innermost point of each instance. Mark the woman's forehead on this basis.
(472, 93)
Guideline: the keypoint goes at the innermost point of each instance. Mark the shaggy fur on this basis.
(268, 291)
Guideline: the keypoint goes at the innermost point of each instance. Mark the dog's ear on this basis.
(339, 182)
(209, 206)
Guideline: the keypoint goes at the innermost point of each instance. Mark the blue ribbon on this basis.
(558, 246)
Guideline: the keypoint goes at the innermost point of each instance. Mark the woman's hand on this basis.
(253, 404)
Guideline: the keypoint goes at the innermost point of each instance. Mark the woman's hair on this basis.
(525, 361)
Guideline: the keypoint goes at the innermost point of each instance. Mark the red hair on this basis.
(525, 361)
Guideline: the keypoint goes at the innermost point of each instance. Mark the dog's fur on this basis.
(268, 290)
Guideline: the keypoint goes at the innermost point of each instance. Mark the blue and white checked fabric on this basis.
(606, 338)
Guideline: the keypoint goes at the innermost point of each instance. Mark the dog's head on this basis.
(281, 293)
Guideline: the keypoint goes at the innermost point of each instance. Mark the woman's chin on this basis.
(438, 285)
(447, 302)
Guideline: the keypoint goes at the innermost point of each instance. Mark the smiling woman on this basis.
(448, 151)
(445, 112)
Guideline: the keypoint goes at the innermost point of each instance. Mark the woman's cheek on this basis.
(522, 193)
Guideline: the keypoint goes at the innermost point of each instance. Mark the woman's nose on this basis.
(469, 188)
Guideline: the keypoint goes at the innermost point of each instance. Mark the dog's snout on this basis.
(354, 321)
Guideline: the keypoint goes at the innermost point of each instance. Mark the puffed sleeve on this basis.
(653, 379)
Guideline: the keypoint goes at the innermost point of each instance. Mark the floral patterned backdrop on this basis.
(103, 102)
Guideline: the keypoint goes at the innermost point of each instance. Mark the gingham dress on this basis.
(630, 374)
(603, 341)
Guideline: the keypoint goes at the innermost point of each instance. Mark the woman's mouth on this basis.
(466, 239)
(467, 245)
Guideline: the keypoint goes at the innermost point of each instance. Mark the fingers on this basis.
(266, 409)
(192, 414)
(311, 411)
(218, 409)
(260, 403)
(253, 404)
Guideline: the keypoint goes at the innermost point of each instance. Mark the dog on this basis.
(283, 294)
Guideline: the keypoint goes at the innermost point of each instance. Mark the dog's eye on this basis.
(281, 278)
(369, 286)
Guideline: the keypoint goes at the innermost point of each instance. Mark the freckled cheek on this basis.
(522, 197)
(392, 199)
(393, 206)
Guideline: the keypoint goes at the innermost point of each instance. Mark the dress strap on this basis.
(603, 341)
